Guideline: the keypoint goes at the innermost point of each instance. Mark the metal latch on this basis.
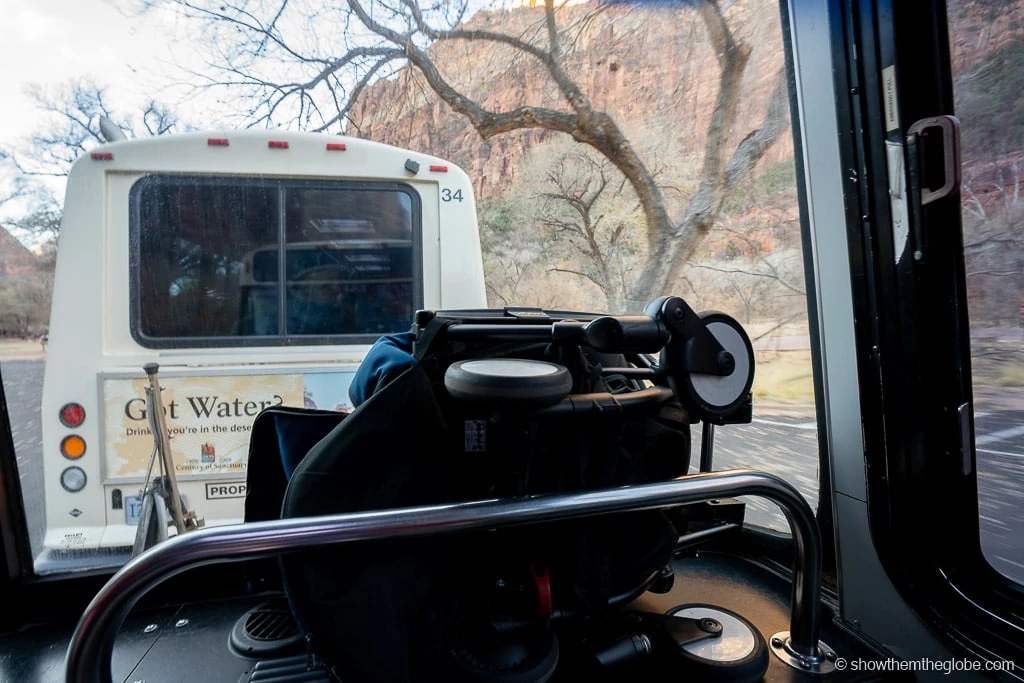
(950, 127)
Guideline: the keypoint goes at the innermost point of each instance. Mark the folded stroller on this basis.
(475, 405)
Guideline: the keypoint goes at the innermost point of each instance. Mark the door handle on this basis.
(950, 127)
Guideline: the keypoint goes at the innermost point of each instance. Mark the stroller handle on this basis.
(707, 357)
(606, 334)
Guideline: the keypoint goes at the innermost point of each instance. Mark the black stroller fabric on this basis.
(280, 438)
(386, 611)
(374, 612)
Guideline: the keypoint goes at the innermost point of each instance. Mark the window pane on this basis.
(209, 261)
(350, 263)
(565, 229)
(274, 260)
(193, 238)
(987, 42)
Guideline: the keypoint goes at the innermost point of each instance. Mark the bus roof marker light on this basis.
(336, 147)
(72, 415)
(277, 144)
(73, 479)
(217, 142)
(102, 156)
(72, 447)
(437, 168)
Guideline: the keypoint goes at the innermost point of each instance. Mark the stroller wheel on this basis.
(527, 655)
(738, 655)
(718, 395)
(509, 381)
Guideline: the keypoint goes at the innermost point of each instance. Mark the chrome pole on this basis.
(91, 647)
(707, 446)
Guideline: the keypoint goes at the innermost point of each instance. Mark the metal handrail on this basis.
(91, 648)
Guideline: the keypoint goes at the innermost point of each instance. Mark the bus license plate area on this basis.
(132, 510)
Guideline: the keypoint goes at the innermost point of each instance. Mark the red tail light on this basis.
(72, 415)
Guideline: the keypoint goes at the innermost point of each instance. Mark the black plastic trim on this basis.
(15, 553)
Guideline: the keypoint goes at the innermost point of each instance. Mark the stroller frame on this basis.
(687, 348)
(90, 651)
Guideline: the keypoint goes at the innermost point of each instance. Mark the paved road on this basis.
(783, 445)
(787, 446)
(23, 389)
(999, 443)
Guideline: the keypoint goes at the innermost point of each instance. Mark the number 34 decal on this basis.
(447, 195)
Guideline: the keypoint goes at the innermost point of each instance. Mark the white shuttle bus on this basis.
(255, 268)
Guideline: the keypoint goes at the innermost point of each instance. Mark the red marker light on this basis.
(439, 169)
(277, 144)
(102, 156)
(336, 146)
(217, 142)
(72, 415)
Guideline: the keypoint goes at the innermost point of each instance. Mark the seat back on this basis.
(280, 438)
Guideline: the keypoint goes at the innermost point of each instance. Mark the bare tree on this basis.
(586, 209)
(505, 285)
(71, 117)
(994, 242)
(510, 251)
(760, 265)
(310, 63)
(70, 124)
(25, 303)
(26, 281)
(40, 221)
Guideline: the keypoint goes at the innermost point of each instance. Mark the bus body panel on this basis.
(94, 355)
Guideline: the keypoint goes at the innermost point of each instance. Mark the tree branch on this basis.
(357, 90)
(717, 176)
(570, 271)
(590, 127)
(752, 273)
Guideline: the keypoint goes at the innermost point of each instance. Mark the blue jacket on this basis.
(389, 357)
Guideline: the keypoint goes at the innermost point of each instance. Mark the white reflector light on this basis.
(73, 479)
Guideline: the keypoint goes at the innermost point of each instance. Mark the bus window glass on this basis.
(210, 253)
(192, 238)
(987, 48)
(349, 261)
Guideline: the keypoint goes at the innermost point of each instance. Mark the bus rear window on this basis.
(209, 256)
(336, 261)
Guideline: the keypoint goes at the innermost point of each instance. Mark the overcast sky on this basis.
(48, 42)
